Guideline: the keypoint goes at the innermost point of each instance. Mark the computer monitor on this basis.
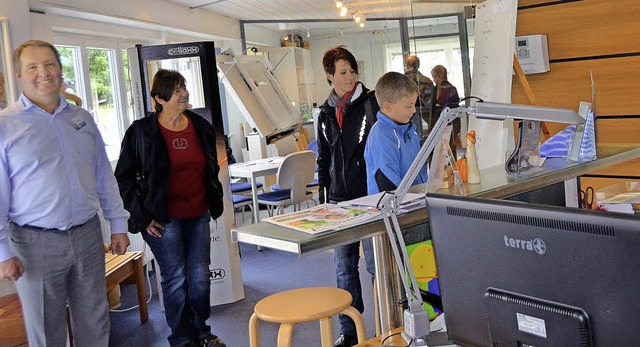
(518, 274)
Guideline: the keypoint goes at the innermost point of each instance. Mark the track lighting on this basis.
(344, 7)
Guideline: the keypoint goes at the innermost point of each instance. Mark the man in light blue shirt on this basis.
(54, 177)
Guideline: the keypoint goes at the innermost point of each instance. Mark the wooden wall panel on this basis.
(601, 36)
(523, 3)
(628, 169)
(584, 28)
(618, 130)
(617, 82)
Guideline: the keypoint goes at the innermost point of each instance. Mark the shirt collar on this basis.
(28, 104)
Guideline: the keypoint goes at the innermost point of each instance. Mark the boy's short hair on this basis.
(394, 86)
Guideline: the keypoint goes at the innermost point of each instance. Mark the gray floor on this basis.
(264, 272)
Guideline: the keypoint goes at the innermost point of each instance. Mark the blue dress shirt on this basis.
(54, 171)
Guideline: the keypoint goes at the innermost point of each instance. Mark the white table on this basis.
(253, 169)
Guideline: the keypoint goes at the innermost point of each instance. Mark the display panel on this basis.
(517, 274)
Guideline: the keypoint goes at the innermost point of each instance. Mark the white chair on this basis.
(242, 201)
(294, 173)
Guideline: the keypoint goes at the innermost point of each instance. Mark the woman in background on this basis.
(174, 202)
(445, 94)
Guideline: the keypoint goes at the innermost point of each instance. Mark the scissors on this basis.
(586, 198)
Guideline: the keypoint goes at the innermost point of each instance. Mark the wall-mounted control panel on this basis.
(533, 53)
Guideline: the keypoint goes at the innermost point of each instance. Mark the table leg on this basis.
(386, 277)
(142, 292)
(256, 205)
(254, 195)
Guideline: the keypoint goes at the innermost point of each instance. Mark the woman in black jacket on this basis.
(168, 178)
(343, 125)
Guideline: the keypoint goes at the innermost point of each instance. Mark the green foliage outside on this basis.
(66, 55)
(100, 74)
(99, 70)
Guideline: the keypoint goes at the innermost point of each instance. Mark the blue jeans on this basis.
(346, 259)
(183, 254)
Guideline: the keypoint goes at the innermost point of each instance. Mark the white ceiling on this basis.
(316, 11)
(251, 10)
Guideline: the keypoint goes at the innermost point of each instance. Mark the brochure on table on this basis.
(325, 217)
(343, 215)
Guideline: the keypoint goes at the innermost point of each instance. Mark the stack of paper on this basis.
(410, 202)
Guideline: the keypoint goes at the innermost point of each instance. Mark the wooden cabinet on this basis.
(292, 68)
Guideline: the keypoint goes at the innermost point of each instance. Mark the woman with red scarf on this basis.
(343, 126)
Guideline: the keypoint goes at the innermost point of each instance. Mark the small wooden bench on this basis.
(13, 332)
(121, 267)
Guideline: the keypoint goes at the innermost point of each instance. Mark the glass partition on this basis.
(381, 46)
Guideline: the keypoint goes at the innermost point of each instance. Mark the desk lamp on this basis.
(416, 319)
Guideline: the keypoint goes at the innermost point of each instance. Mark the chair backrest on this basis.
(295, 172)
(313, 146)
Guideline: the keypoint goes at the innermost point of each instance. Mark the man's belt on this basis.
(54, 229)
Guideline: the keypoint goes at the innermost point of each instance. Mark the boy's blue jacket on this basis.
(389, 152)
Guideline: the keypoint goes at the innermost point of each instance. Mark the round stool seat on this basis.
(303, 304)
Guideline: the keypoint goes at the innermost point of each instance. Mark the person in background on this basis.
(445, 94)
(172, 208)
(3, 96)
(393, 143)
(423, 102)
(70, 96)
(54, 177)
(343, 125)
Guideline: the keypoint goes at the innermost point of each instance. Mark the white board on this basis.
(495, 29)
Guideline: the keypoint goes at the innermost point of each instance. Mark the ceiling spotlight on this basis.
(356, 18)
(361, 24)
(338, 4)
(343, 11)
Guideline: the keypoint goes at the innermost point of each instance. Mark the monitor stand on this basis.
(437, 336)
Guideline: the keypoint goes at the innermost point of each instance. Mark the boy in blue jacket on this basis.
(393, 142)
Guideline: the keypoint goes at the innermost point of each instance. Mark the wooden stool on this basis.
(304, 305)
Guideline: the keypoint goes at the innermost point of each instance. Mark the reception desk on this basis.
(554, 181)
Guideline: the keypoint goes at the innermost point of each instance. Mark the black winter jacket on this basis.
(153, 202)
(341, 166)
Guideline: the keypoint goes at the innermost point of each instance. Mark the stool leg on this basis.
(284, 334)
(326, 332)
(361, 330)
(254, 335)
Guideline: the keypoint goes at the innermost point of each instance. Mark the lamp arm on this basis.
(416, 320)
